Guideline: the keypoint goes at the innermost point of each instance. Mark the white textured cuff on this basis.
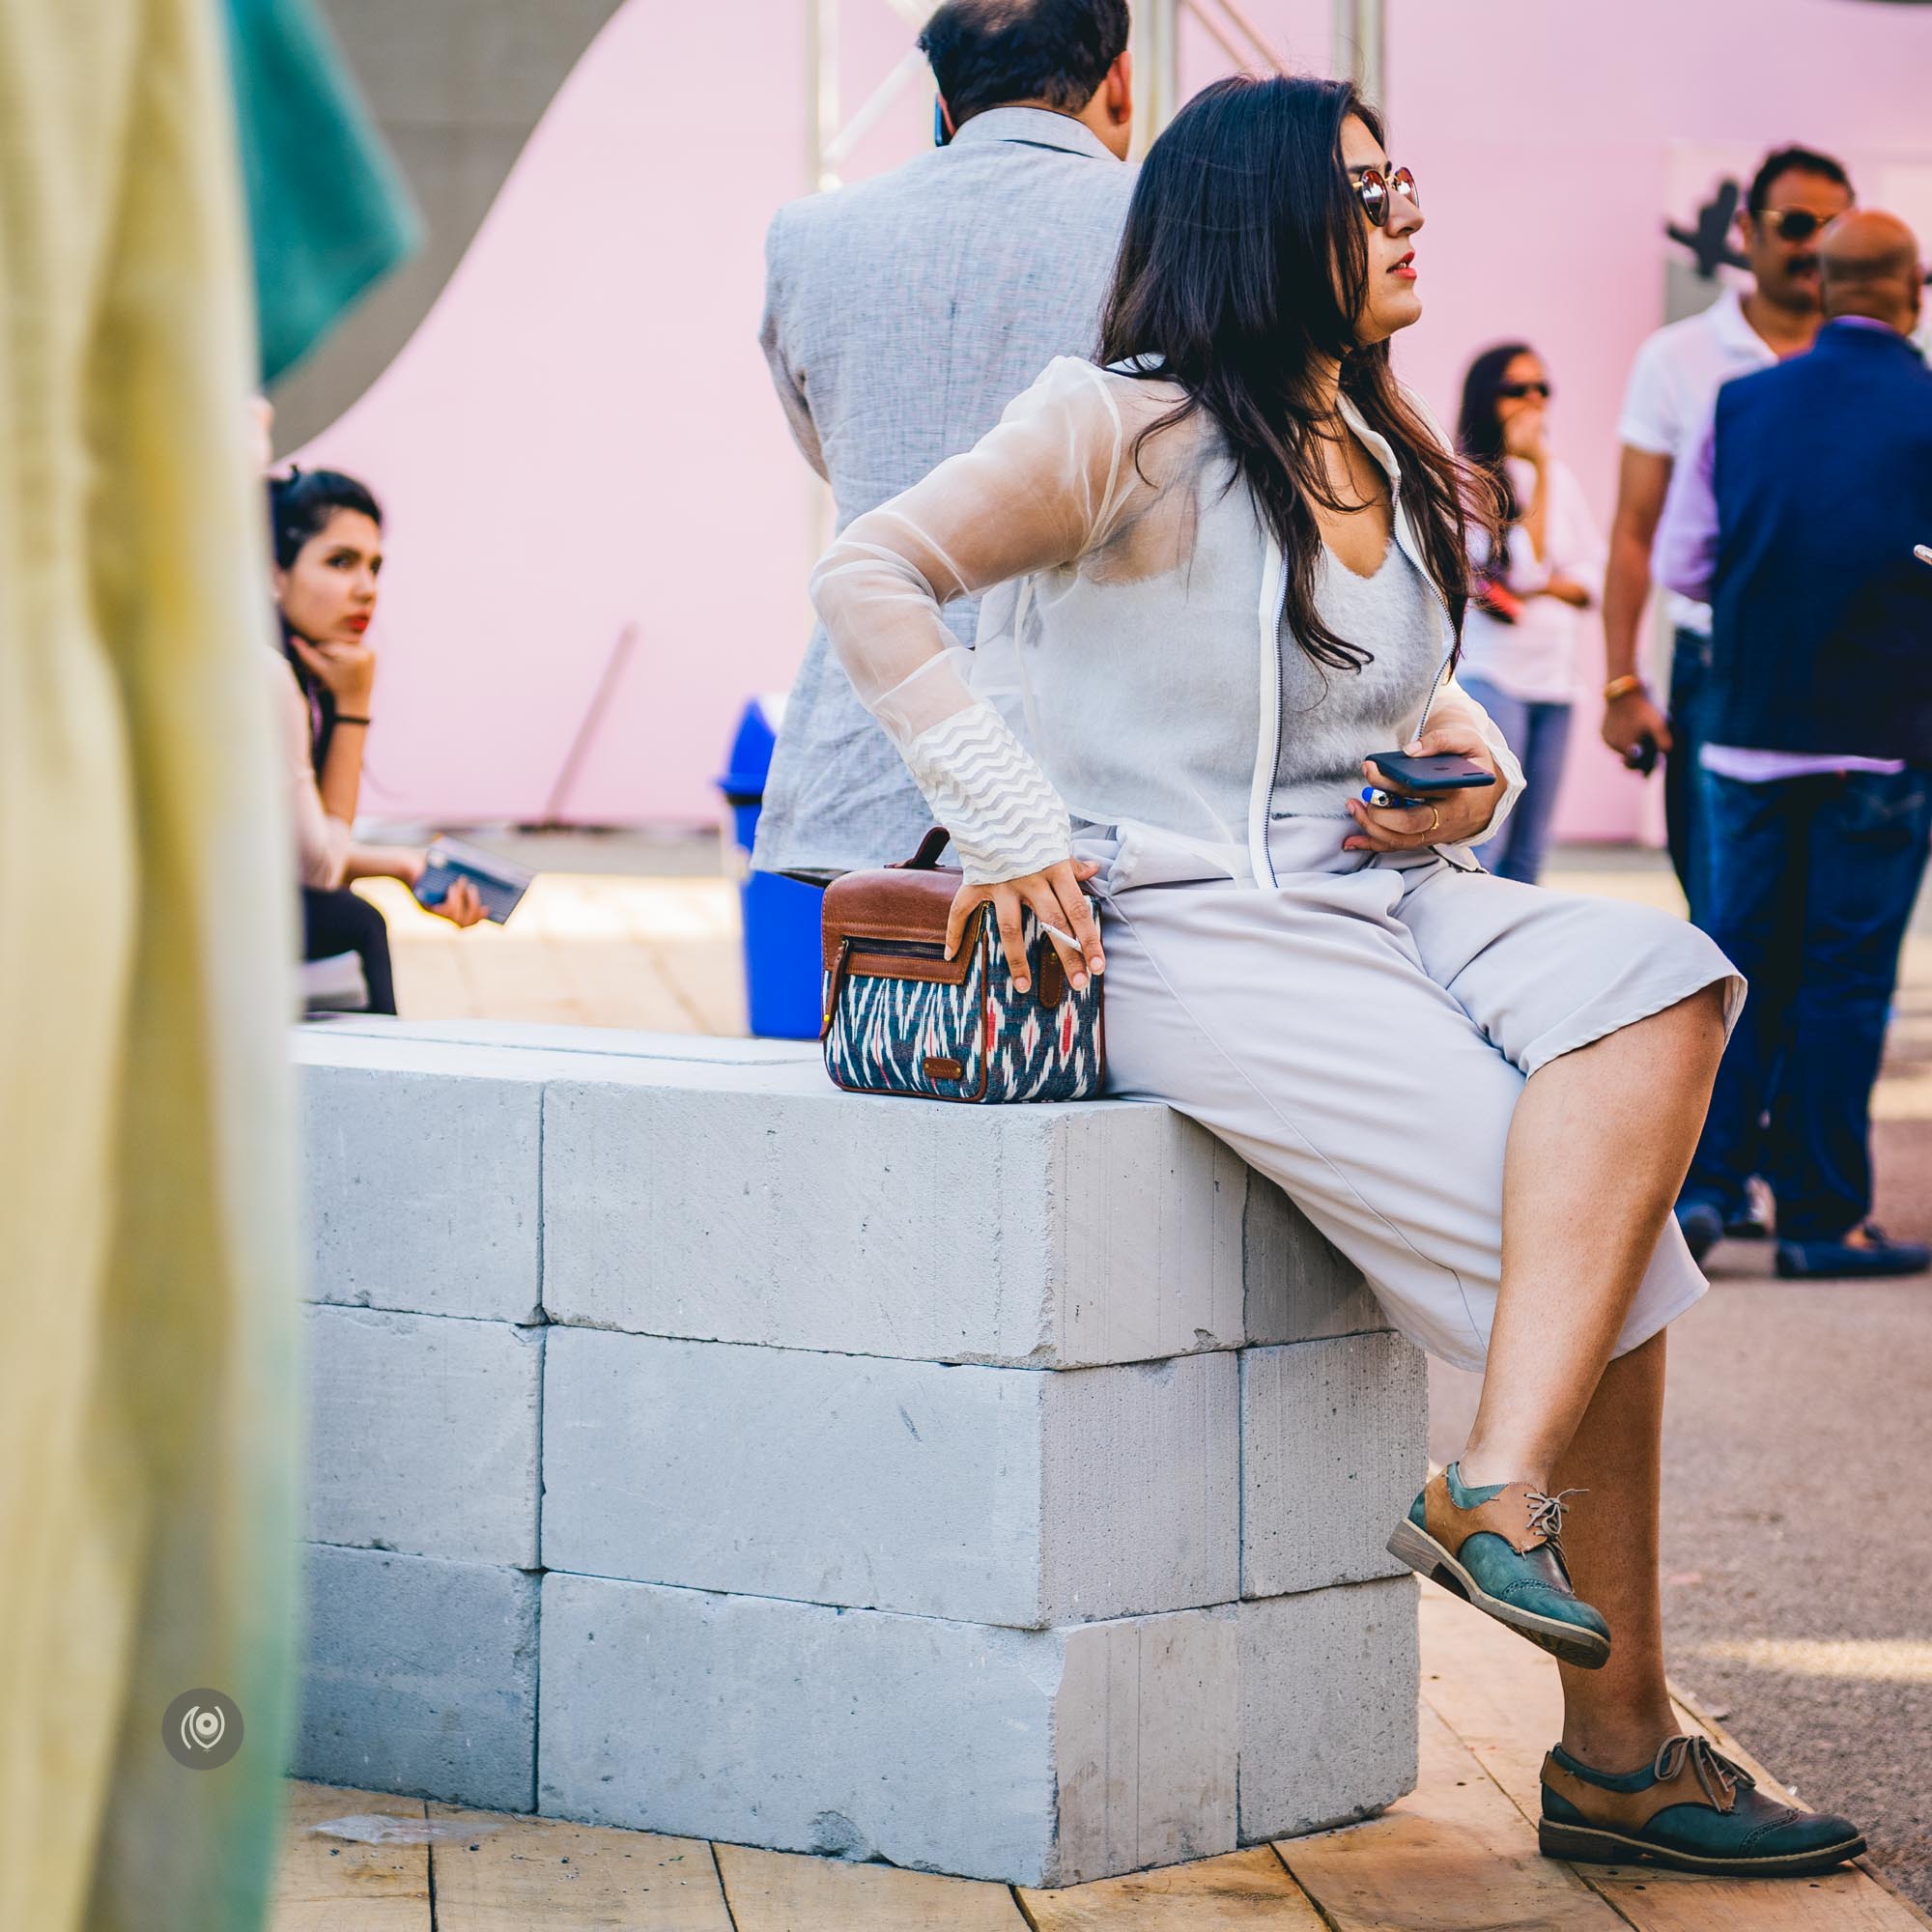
(1004, 818)
(1513, 781)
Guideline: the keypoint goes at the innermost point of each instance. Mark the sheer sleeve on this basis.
(1453, 701)
(1053, 479)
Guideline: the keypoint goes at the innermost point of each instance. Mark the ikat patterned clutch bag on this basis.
(902, 1018)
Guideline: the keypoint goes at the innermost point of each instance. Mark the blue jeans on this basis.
(1810, 884)
(1682, 777)
(1539, 734)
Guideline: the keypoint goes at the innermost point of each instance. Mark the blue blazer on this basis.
(1821, 628)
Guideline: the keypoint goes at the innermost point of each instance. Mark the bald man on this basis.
(1796, 521)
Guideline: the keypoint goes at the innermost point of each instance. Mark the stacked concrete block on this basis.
(421, 1676)
(1329, 1460)
(423, 1171)
(994, 1491)
(424, 1434)
(425, 1347)
(996, 1495)
(990, 1752)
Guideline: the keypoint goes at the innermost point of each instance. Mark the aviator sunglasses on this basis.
(1793, 224)
(1375, 190)
(1517, 391)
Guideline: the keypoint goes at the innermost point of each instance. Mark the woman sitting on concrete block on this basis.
(1237, 553)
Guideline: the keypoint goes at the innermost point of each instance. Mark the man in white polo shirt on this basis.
(1673, 388)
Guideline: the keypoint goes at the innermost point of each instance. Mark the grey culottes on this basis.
(1360, 1035)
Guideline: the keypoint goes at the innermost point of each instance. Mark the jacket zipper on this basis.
(1273, 599)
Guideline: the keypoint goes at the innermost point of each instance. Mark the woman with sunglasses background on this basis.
(1224, 566)
(1542, 571)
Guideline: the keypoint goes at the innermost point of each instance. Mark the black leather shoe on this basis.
(1802, 1261)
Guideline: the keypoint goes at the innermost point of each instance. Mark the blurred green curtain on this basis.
(150, 1409)
(326, 205)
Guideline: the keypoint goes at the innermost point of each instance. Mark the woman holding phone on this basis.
(1232, 556)
(1538, 574)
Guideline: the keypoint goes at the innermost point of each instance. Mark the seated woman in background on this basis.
(1520, 638)
(327, 533)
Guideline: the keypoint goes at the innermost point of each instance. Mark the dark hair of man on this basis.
(1245, 260)
(987, 53)
(1791, 161)
(1479, 435)
(301, 503)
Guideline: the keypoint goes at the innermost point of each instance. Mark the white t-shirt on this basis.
(1536, 658)
(1674, 389)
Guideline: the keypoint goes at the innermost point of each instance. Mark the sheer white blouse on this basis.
(1126, 673)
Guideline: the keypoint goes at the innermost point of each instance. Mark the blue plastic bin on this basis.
(780, 916)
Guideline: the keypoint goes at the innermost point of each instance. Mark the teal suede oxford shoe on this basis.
(1690, 1808)
(1500, 1548)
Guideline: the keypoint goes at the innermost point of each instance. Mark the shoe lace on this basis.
(1545, 1514)
(1709, 1765)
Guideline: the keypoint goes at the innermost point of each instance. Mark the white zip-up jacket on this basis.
(1128, 676)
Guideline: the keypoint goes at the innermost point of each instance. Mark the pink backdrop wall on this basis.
(581, 437)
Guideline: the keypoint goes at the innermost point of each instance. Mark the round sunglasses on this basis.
(1375, 191)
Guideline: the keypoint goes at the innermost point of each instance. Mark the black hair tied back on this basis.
(301, 503)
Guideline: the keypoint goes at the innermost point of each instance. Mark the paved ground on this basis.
(1796, 1554)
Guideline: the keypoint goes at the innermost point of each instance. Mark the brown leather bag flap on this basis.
(896, 904)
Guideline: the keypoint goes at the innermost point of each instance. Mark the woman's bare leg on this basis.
(1599, 1146)
(1616, 1717)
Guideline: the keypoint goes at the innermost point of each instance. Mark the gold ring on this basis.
(1434, 818)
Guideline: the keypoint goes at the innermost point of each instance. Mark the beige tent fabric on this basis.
(147, 1254)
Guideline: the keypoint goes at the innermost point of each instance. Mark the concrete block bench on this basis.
(998, 1492)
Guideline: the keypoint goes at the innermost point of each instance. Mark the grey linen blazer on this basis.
(902, 314)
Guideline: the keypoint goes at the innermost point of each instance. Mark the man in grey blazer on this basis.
(904, 313)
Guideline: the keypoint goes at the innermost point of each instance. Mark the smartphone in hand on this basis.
(1446, 771)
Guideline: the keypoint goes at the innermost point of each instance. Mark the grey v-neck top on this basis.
(1332, 719)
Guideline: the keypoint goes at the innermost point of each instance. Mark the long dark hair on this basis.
(1244, 264)
(300, 505)
(1479, 435)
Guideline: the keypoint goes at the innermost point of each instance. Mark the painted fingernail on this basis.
(1079, 983)
(1022, 985)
